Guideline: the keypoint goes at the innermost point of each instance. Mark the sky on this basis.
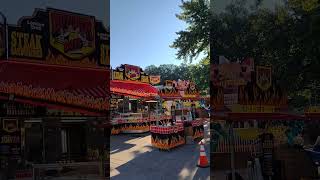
(143, 30)
(14, 9)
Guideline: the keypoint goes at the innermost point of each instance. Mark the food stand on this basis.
(135, 101)
(180, 100)
(54, 102)
(251, 121)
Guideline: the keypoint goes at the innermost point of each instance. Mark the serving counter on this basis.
(135, 122)
(167, 137)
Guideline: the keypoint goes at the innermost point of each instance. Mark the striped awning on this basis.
(133, 89)
(79, 88)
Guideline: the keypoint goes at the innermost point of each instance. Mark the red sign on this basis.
(132, 72)
(72, 34)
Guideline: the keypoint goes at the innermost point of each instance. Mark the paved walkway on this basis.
(133, 157)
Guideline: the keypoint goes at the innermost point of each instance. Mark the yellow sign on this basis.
(117, 75)
(154, 80)
(145, 79)
(26, 45)
(252, 109)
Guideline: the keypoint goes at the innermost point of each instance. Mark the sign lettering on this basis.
(10, 139)
(117, 75)
(26, 44)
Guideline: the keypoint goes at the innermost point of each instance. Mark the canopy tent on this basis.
(83, 90)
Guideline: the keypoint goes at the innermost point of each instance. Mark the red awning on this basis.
(133, 89)
(68, 86)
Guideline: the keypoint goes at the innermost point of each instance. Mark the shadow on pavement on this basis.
(180, 163)
(120, 143)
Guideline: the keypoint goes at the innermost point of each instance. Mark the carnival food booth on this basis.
(135, 100)
(54, 93)
(180, 101)
(251, 125)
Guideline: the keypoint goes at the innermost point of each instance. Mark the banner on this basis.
(263, 77)
(72, 34)
(155, 80)
(132, 72)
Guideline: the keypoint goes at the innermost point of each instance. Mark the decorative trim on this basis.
(50, 94)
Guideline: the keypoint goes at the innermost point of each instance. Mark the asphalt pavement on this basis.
(132, 157)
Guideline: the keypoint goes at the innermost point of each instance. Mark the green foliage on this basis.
(286, 37)
(195, 39)
(199, 73)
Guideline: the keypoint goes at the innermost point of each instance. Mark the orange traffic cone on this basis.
(203, 161)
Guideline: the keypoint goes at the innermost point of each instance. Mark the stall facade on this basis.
(181, 102)
(54, 88)
(135, 100)
(250, 122)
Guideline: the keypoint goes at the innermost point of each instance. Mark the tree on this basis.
(199, 73)
(286, 37)
(195, 39)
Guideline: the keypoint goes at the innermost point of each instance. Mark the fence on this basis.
(241, 145)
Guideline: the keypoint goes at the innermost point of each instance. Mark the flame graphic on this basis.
(61, 60)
